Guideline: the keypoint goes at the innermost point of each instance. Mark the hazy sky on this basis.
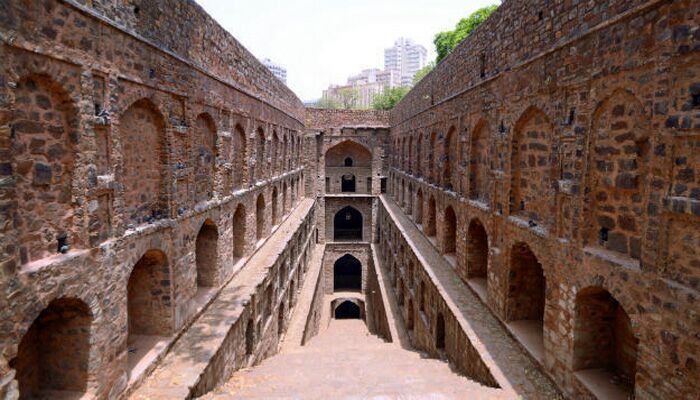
(324, 41)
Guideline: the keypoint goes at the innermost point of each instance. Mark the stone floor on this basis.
(345, 361)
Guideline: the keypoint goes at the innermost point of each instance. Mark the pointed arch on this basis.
(479, 158)
(207, 254)
(42, 156)
(260, 217)
(53, 356)
(142, 135)
(240, 155)
(239, 232)
(449, 232)
(205, 153)
(347, 274)
(619, 154)
(347, 224)
(450, 152)
(531, 167)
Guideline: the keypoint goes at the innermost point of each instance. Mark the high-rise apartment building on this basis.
(277, 70)
(404, 59)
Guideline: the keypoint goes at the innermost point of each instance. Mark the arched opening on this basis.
(280, 319)
(449, 236)
(347, 224)
(619, 157)
(347, 274)
(285, 206)
(347, 184)
(419, 155)
(409, 195)
(431, 157)
(259, 154)
(240, 157)
(526, 298)
(53, 356)
(477, 257)
(206, 254)
(205, 153)
(430, 229)
(604, 342)
(440, 332)
(149, 306)
(409, 315)
(44, 133)
(347, 310)
(450, 152)
(249, 337)
(274, 207)
(421, 297)
(479, 163)
(418, 214)
(239, 229)
(274, 160)
(531, 167)
(400, 290)
(260, 217)
(142, 130)
(348, 162)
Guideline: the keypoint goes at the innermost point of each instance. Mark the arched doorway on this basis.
(418, 214)
(477, 257)
(260, 217)
(348, 162)
(347, 225)
(149, 307)
(526, 298)
(347, 184)
(53, 355)
(239, 228)
(449, 237)
(274, 206)
(280, 320)
(604, 342)
(206, 254)
(347, 274)
(440, 332)
(347, 310)
(430, 229)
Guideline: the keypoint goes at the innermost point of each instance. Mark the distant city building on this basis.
(404, 59)
(277, 70)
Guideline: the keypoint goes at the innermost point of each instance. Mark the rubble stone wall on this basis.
(577, 137)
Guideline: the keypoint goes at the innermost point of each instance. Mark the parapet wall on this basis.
(318, 118)
(516, 32)
(183, 28)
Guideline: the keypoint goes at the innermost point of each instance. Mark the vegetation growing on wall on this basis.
(446, 41)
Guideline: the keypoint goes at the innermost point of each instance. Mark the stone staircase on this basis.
(345, 361)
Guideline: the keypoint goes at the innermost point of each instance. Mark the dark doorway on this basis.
(347, 274)
(347, 310)
(440, 332)
(347, 184)
(348, 162)
(347, 224)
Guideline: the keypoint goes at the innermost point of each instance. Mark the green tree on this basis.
(348, 97)
(388, 99)
(446, 41)
(327, 103)
(423, 72)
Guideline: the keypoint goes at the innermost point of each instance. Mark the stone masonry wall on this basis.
(576, 152)
(125, 128)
